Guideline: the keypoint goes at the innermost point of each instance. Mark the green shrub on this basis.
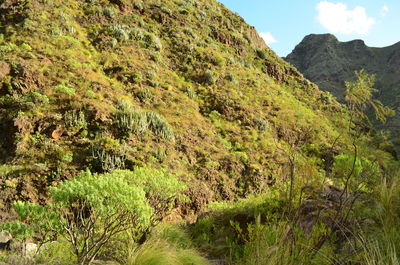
(33, 220)
(65, 89)
(216, 59)
(231, 77)
(90, 93)
(159, 126)
(37, 98)
(26, 46)
(112, 205)
(155, 57)
(138, 4)
(70, 29)
(136, 77)
(147, 39)
(139, 122)
(189, 91)
(261, 54)
(109, 12)
(56, 31)
(108, 154)
(120, 32)
(357, 170)
(261, 124)
(144, 94)
(66, 156)
(113, 43)
(244, 158)
(132, 122)
(55, 252)
(75, 119)
(162, 188)
(209, 77)
(160, 155)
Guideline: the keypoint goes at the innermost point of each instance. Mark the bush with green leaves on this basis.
(159, 126)
(144, 94)
(138, 122)
(261, 124)
(90, 209)
(146, 39)
(65, 89)
(136, 77)
(132, 122)
(261, 54)
(36, 98)
(109, 154)
(109, 12)
(209, 77)
(75, 119)
(356, 171)
(358, 96)
(57, 252)
(93, 208)
(120, 32)
(33, 220)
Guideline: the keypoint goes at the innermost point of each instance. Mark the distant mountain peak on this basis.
(320, 37)
(328, 62)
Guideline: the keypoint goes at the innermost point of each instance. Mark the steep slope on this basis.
(329, 63)
(185, 85)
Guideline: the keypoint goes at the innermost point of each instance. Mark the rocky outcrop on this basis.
(5, 240)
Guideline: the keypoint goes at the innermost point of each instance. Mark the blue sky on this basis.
(283, 24)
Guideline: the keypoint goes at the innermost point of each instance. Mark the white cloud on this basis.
(337, 18)
(267, 37)
(384, 10)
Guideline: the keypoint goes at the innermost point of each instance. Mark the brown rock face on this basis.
(5, 70)
(256, 39)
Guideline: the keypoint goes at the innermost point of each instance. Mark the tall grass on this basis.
(169, 244)
(161, 252)
(380, 252)
(383, 250)
(280, 245)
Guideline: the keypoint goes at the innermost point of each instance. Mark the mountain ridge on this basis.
(329, 63)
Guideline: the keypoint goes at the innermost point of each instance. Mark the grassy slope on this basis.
(235, 108)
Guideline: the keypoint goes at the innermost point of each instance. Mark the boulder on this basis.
(30, 250)
(5, 240)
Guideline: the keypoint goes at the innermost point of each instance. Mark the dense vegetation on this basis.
(166, 132)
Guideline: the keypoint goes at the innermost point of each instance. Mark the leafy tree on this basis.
(358, 95)
(360, 171)
(92, 208)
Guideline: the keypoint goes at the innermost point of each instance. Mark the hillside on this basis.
(129, 115)
(72, 70)
(328, 62)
